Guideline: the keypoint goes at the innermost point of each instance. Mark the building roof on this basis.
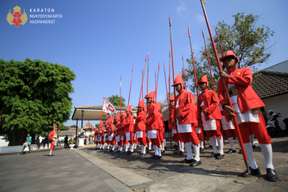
(92, 112)
(279, 67)
(270, 83)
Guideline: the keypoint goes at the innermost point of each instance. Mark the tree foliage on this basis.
(115, 100)
(247, 39)
(33, 95)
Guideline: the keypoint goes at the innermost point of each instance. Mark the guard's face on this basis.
(178, 88)
(148, 101)
(203, 86)
(229, 62)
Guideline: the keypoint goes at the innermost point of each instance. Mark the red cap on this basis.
(204, 79)
(171, 98)
(157, 107)
(178, 80)
(141, 104)
(129, 108)
(150, 95)
(229, 53)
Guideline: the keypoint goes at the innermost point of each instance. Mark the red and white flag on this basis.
(108, 107)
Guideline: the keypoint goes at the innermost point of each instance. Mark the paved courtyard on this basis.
(67, 171)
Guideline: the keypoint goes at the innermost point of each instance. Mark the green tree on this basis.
(115, 100)
(248, 39)
(33, 95)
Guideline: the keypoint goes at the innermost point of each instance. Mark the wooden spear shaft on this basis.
(225, 87)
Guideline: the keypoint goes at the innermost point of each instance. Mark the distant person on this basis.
(66, 143)
(52, 137)
(27, 143)
(38, 143)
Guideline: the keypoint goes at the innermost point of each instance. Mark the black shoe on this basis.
(189, 160)
(255, 172)
(271, 175)
(219, 157)
(250, 172)
(231, 151)
(157, 157)
(216, 155)
(195, 163)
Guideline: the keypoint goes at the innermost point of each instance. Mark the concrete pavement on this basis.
(67, 171)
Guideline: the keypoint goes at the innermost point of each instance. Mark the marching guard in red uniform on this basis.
(101, 134)
(172, 124)
(187, 121)
(140, 127)
(129, 130)
(153, 123)
(52, 137)
(247, 104)
(110, 131)
(209, 111)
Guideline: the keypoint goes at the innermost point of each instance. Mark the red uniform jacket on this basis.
(210, 104)
(101, 128)
(153, 120)
(110, 125)
(129, 123)
(186, 109)
(247, 97)
(171, 120)
(141, 121)
(51, 135)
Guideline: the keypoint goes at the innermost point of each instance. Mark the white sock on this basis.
(213, 142)
(266, 150)
(159, 151)
(132, 148)
(220, 145)
(251, 160)
(126, 147)
(231, 143)
(150, 146)
(181, 146)
(143, 149)
(202, 144)
(188, 148)
(196, 149)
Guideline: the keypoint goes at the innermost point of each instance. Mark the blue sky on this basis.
(100, 40)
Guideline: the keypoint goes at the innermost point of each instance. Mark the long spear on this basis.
(157, 79)
(141, 86)
(130, 84)
(142, 81)
(147, 77)
(120, 93)
(193, 63)
(173, 69)
(225, 87)
(166, 83)
(208, 57)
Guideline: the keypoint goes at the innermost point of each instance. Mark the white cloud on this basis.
(181, 8)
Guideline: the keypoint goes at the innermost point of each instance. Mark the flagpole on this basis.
(224, 85)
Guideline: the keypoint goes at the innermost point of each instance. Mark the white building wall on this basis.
(278, 104)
